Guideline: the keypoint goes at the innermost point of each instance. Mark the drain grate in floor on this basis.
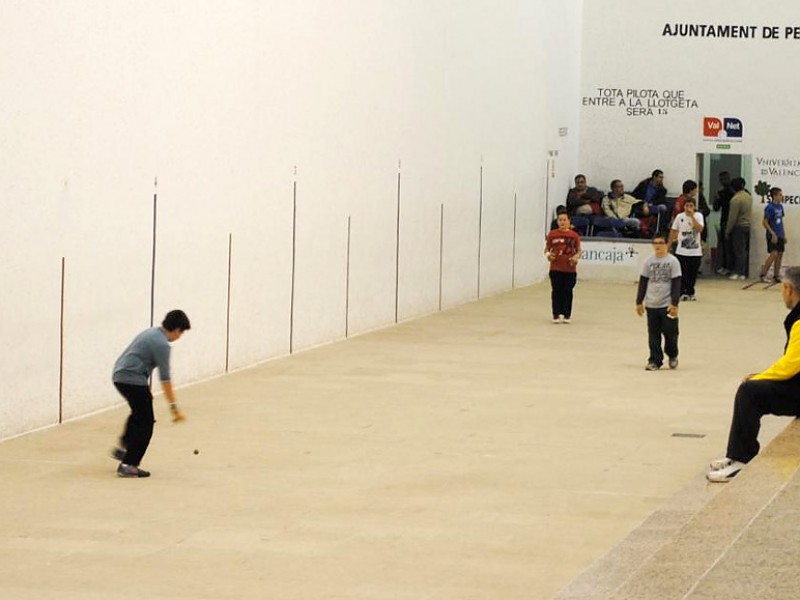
(689, 435)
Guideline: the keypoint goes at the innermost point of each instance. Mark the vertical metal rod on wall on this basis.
(547, 193)
(480, 231)
(294, 257)
(397, 252)
(153, 262)
(514, 244)
(347, 285)
(228, 311)
(61, 349)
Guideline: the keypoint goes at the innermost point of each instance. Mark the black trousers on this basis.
(724, 253)
(658, 325)
(139, 427)
(740, 246)
(562, 284)
(755, 399)
(689, 267)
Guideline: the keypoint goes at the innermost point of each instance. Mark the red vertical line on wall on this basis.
(61, 349)
(397, 252)
(514, 244)
(153, 261)
(347, 285)
(480, 231)
(294, 263)
(228, 315)
(441, 252)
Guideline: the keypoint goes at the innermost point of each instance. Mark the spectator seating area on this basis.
(600, 226)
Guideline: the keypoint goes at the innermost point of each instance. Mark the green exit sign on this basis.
(723, 146)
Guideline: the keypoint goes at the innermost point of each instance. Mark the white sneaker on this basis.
(556, 320)
(684, 297)
(719, 463)
(561, 319)
(565, 320)
(723, 271)
(726, 473)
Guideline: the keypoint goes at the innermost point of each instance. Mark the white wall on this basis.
(745, 78)
(229, 105)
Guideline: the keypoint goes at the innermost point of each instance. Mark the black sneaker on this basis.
(117, 454)
(651, 366)
(124, 470)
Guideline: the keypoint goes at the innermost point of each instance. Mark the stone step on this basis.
(733, 540)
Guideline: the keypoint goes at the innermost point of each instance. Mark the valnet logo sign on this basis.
(727, 129)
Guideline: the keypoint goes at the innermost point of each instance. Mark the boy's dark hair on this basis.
(738, 183)
(613, 183)
(659, 236)
(688, 186)
(656, 173)
(176, 319)
(691, 201)
(561, 210)
(773, 191)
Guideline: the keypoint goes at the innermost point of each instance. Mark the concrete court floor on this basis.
(482, 452)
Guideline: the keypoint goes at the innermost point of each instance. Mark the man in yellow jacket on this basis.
(775, 391)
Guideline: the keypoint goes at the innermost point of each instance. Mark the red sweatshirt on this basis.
(563, 244)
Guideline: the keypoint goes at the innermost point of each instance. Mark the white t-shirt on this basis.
(688, 238)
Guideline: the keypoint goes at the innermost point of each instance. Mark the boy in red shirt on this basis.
(563, 250)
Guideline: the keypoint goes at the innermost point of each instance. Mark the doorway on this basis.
(709, 166)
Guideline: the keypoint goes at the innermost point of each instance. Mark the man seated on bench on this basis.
(653, 192)
(774, 391)
(621, 210)
(584, 200)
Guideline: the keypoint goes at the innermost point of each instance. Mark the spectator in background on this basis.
(737, 230)
(722, 203)
(776, 235)
(583, 200)
(690, 190)
(654, 194)
(686, 230)
(624, 207)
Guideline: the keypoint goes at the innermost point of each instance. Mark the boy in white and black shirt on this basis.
(687, 229)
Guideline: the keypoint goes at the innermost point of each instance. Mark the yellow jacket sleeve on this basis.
(788, 365)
